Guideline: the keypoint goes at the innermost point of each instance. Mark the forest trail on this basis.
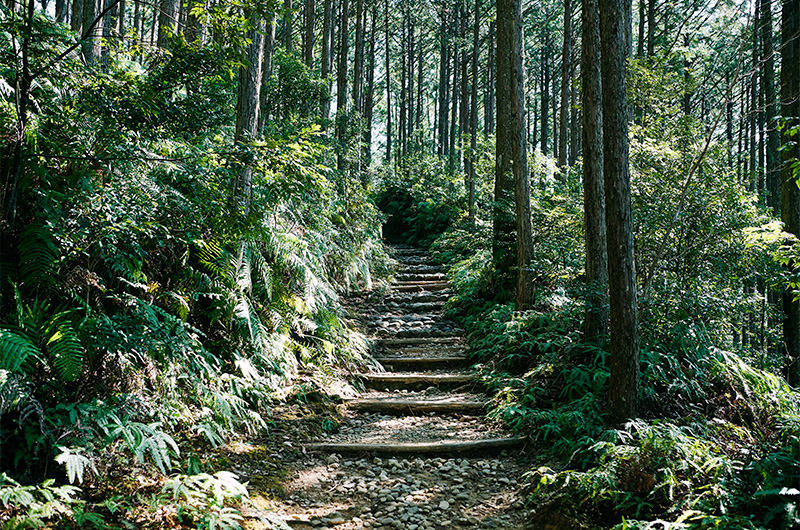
(415, 450)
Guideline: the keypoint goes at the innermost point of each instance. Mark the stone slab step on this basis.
(439, 447)
(415, 381)
(418, 341)
(422, 277)
(445, 405)
(422, 362)
(420, 287)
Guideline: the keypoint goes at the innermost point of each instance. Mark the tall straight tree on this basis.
(790, 200)
(473, 113)
(511, 145)
(327, 51)
(288, 25)
(772, 168)
(388, 72)
(167, 20)
(248, 107)
(308, 38)
(444, 75)
(358, 62)
(545, 89)
(624, 358)
(90, 45)
(341, 83)
(566, 71)
(596, 315)
(369, 96)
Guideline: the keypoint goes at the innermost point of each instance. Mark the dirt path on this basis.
(414, 450)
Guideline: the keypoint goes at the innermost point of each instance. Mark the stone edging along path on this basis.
(415, 450)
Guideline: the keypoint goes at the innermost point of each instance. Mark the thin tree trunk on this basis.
(266, 70)
(288, 25)
(489, 114)
(473, 144)
(444, 76)
(651, 27)
(310, 22)
(566, 58)
(388, 85)
(327, 52)
(464, 90)
(770, 110)
(341, 84)
(247, 109)
(358, 62)
(545, 91)
(624, 358)
(370, 95)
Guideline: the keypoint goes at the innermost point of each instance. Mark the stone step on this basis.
(416, 276)
(448, 404)
(420, 287)
(416, 307)
(423, 363)
(438, 447)
(415, 381)
(418, 341)
(415, 297)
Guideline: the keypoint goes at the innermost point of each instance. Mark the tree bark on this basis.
(596, 315)
(473, 143)
(76, 20)
(444, 75)
(248, 109)
(489, 112)
(327, 52)
(504, 244)
(545, 91)
(358, 62)
(651, 27)
(341, 84)
(524, 299)
(308, 41)
(266, 69)
(370, 94)
(790, 201)
(624, 357)
(167, 21)
(61, 11)
(770, 110)
(388, 84)
(566, 69)
(90, 48)
(288, 23)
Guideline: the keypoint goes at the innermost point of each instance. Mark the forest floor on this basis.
(414, 451)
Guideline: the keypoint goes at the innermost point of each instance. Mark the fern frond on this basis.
(75, 463)
(66, 352)
(15, 349)
(38, 255)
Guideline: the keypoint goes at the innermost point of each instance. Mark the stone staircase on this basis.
(426, 401)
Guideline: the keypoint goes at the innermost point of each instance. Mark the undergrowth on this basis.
(716, 442)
